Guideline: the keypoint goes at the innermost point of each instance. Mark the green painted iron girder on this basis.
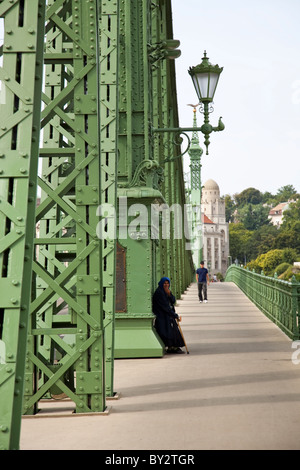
(21, 77)
(73, 306)
(147, 100)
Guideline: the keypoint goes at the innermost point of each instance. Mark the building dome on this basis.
(211, 185)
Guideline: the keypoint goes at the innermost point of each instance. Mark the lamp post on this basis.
(205, 78)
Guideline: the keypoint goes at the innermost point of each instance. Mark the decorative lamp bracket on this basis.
(206, 130)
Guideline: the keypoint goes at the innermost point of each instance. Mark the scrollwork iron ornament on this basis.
(148, 173)
(178, 141)
(206, 130)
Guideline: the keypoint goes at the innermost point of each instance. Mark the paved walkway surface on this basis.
(238, 388)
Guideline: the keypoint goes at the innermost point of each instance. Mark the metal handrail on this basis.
(279, 300)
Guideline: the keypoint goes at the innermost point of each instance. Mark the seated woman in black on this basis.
(165, 323)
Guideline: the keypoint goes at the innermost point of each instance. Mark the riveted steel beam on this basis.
(72, 308)
(21, 86)
(108, 88)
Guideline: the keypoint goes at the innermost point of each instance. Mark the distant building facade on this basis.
(276, 214)
(216, 229)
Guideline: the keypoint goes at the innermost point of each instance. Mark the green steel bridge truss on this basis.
(83, 85)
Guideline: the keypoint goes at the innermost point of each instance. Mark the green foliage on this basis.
(273, 260)
(269, 199)
(262, 240)
(281, 268)
(239, 241)
(254, 266)
(289, 255)
(253, 216)
(289, 236)
(289, 273)
(229, 208)
(253, 236)
(292, 214)
(260, 260)
(248, 196)
(285, 193)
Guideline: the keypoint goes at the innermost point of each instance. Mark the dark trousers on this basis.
(202, 286)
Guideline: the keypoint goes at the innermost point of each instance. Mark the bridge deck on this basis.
(237, 389)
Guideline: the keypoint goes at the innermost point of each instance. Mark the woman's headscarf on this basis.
(162, 281)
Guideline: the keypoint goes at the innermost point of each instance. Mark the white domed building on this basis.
(215, 229)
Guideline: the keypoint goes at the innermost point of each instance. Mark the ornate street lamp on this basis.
(205, 78)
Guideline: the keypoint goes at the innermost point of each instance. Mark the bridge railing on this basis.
(279, 300)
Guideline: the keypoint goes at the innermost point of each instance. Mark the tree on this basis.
(268, 262)
(289, 255)
(262, 240)
(248, 196)
(268, 198)
(229, 208)
(285, 193)
(239, 238)
(253, 216)
(272, 259)
(289, 232)
(254, 238)
(292, 214)
(288, 237)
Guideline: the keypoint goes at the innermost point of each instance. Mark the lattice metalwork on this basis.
(21, 86)
(74, 268)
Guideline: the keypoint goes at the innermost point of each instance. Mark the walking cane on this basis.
(180, 330)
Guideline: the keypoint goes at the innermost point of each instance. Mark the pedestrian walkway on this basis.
(237, 389)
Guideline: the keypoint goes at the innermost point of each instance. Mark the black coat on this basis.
(165, 321)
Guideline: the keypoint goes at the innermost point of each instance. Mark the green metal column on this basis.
(21, 85)
(195, 153)
(137, 185)
(108, 77)
(147, 100)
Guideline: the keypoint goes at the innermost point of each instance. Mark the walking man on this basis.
(202, 281)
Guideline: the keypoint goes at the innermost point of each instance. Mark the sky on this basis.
(258, 94)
